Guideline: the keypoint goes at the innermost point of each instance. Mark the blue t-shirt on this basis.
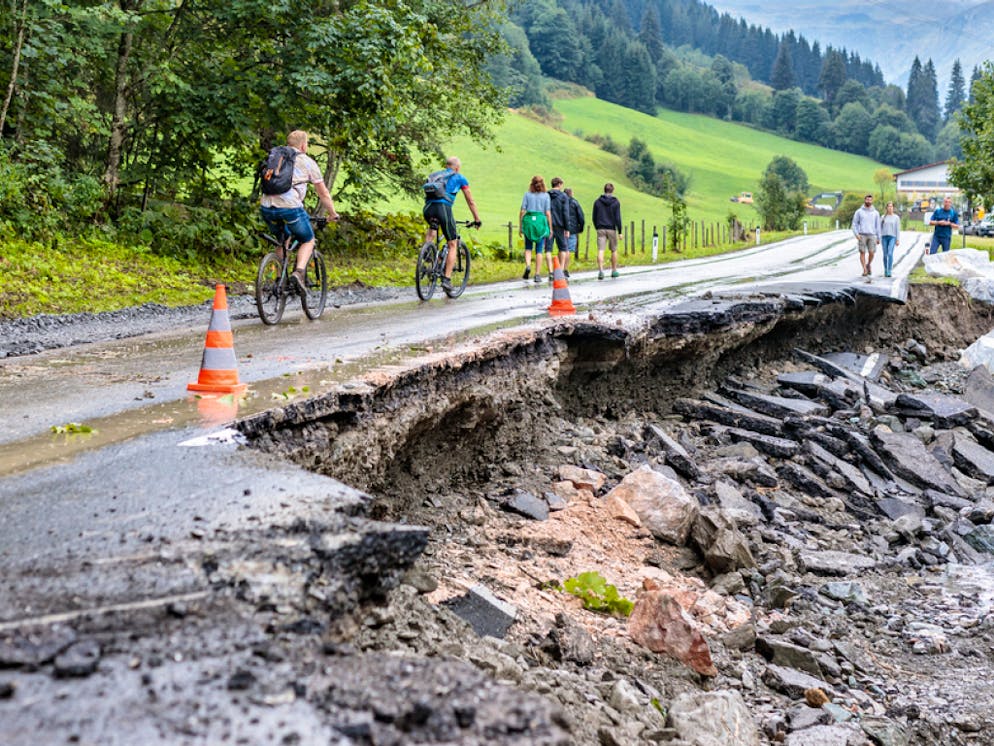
(943, 231)
(452, 187)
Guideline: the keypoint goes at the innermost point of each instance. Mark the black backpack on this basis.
(434, 187)
(276, 172)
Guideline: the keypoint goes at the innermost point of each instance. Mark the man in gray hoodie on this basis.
(866, 228)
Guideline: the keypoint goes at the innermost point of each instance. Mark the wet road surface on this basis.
(125, 388)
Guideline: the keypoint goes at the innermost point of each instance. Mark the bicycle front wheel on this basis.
(424, 276)
(270, 289)
(460, 272)
(315, 286)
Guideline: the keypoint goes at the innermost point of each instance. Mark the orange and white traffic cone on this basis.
(561, 303)
(219, 368)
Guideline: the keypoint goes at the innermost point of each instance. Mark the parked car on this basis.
(983, 228)
(743, 197)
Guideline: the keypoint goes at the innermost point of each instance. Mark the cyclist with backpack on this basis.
(441, 191)
(284, 179)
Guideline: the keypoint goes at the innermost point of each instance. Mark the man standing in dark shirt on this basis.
(560, 221)
(607, 221)
(944, 220)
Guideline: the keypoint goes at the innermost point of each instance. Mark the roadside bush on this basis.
(375, 235)
(851, 201)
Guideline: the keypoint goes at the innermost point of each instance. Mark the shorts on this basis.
(538, 245)
(573, 242)
(442, 212)
(608, 236)
(867, 243)
(558, 239)
(940, 241)
(292, 220)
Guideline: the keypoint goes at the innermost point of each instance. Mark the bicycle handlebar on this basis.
(469, 223)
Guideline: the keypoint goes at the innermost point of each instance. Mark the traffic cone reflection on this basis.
(561, 303)
(218, 368)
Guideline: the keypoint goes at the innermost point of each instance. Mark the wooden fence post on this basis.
(510, 240)
(643, 235)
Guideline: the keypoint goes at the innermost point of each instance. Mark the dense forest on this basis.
(138, 118)
(684, 55)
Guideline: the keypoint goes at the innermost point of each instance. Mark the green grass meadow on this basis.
(721, 158)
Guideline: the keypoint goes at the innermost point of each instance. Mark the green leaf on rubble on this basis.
(598, 595)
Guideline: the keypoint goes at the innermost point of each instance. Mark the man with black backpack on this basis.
(284, 179)
(440, 192)
(577, 222)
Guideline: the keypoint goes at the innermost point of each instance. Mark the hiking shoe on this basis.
(615, 273)
(297, 280)
(527, 274)
(600, 274)
(446, 284)
(538, 278)
(566, 273)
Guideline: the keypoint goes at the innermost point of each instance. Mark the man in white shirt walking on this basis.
(866, 228)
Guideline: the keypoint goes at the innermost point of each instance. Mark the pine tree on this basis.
(957, 92)
(974, 77)
(928, 124)
(833, 74)
(650, 33)
(782, 76)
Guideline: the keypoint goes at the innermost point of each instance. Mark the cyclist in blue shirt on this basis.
(944, 220)
(441, 210)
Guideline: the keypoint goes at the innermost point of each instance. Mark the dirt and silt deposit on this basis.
(806, 537)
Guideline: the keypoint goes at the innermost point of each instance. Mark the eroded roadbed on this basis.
(251, 596)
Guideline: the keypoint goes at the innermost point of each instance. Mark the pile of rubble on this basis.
(790, 543)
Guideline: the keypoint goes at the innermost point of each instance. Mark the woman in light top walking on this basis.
(534, 223)
(890, 236)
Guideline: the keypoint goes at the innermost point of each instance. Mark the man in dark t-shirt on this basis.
(944, 219)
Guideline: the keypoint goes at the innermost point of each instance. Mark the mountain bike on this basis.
(431, 264)
(273, 286)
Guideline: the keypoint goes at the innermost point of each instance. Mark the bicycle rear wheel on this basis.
(460, 272)
(315, 286)
(424, 276)
(270, 289)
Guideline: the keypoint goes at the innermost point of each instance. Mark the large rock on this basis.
(974, 459)
(979, 389)
(851, 477)
(792, 683)
(659, 623)
(676, 455)
(582, 479)
(768, 444)
(784, 653)
(834, 563)
(662, 504)
(908, 458)
(720, 541)
(733, 417)
(944, 410)
(713, 719)
(739, 508)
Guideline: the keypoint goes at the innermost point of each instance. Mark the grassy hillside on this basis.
(722, 159)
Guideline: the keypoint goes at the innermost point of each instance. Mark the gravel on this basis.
(29, 336)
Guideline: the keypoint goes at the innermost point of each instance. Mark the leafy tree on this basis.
(779, 207)
(724, 74)
(648, 176)
(751, 107)
(679, 221)
(956, 94)
(792, 175)
(783, 112)
(810, 119)
(782, 75)
(883, 143)
(882, 177)
(974, 173)
(887, 115)
(852, 128)
(947, 143)
(852, 91)
(851, 201)
(911, 150)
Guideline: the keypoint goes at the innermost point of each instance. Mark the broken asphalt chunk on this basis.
(483, 611)
(701, 410)
(909, 459)
(676, 455)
